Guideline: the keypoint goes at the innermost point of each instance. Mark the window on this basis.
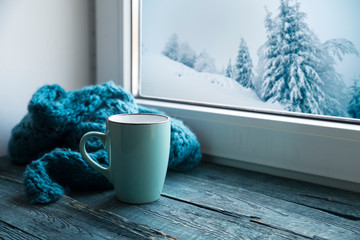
(292, 146)
(279, 55)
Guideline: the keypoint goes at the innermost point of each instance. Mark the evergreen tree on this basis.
(204, 63)
(299, 71)
(229, 72)
(180, 52)
(243, 66)
(354, 104)
(290, 76)
(171, 49)
(336, 99)
(267, 51)
(273, 37)
(187, 56)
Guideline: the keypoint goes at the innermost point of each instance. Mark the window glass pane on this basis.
(297, 56)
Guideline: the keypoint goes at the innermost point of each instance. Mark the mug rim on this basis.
(166, 119)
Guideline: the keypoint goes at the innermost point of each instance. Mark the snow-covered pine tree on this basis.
(180, 52)
(267, 51)
(204, 63)
(186, 55)
(354, 104)
(290, 75)
(299, 70)
(243, 70)
(271, 48)
(229, 70)
(336, 98)
(171, 49)
(269, 59)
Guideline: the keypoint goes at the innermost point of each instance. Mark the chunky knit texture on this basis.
(47, 139)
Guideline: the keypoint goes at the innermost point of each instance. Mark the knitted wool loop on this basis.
(47, 139)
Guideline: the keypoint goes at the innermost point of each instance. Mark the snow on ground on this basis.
(163, 77)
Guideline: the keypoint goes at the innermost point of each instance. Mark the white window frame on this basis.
(323, 152)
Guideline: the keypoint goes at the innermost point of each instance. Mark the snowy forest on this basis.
(294, 68)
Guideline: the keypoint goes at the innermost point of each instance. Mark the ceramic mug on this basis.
(138, 148)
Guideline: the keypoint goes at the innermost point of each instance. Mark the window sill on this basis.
(222, 203)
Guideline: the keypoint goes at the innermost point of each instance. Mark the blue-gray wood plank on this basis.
(210, 202)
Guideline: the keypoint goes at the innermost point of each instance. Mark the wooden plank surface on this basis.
(66, 219)
(94, 217)
(210, 202)
(266, 210)
(8, 231)
(339, 202)
(187, 221)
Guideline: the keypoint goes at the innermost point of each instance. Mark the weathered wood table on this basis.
(210, 202)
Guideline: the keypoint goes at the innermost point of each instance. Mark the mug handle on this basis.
(102, 137)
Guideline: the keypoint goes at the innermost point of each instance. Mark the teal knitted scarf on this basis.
(47, 139)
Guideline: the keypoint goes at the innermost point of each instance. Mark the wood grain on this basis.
(12, 233)
(210, 202)
(66, 219)
(345, 203)
(264, 210)
(187, 221)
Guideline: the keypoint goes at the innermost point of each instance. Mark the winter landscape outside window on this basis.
(297, 56)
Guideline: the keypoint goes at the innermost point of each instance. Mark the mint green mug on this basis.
(138, 147)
